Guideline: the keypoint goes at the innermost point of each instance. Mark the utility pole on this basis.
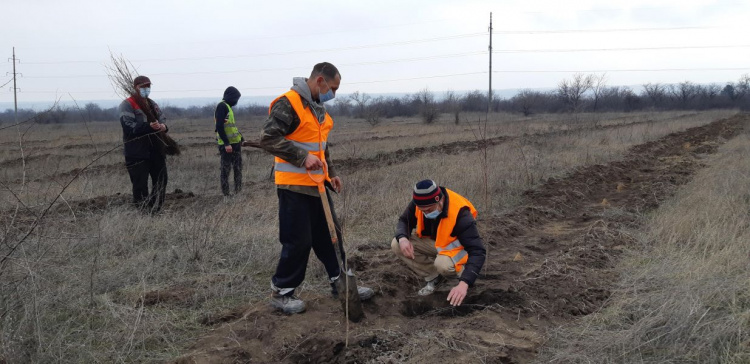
(489, 92)
(15, 121)
(15, 95)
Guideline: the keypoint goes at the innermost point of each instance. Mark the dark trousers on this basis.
(302, 226)
(229, 162)
(140, 170)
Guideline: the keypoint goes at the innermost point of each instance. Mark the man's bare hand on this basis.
(155, 126)
(406, 247)
(458, 293)
(313, 163)
(228, 149)
(336, 184)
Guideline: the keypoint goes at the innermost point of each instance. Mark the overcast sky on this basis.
(198, 48)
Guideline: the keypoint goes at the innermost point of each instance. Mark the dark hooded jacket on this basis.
(141, 141)
(231, 97)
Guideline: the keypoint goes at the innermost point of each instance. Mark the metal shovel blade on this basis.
(349, 296)
(347, 283)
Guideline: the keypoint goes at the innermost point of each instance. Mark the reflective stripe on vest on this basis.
(451, 246)
(445, 243)
(310, 135)
(230, 128)
(310, 147)
(286, 167)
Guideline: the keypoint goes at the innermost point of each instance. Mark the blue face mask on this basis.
(328, 96)
(145, 91)
(432, 215)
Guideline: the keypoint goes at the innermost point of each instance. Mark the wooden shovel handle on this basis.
(326, 205)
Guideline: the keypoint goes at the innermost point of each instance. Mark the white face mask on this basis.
(328, 96)
(432, 215)
(144, 91)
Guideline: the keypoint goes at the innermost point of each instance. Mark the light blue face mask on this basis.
(328, 96)
(432, 215)
(145, 91)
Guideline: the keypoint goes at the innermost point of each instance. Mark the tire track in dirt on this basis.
(549, 261)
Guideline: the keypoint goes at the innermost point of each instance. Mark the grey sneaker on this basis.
(431, 286)
(287, 304)
(365, 293)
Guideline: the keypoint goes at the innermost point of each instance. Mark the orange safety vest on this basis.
(445, 243)
(310, 135)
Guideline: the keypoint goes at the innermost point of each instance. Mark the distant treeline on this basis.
(580, 93)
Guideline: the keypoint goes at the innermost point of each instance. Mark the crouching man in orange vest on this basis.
(447, 241)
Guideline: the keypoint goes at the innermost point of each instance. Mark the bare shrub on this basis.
(526, 100)
(373, 112)
(571, 91)
(428, 108)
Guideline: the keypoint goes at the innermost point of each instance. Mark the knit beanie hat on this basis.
(426, 192)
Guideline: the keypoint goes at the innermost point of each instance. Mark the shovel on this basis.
(347, 282)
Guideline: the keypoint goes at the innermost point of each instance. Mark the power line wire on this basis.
(613, 30)
(358, 47)
(386, 61)
(9, 81)
(626, 70)
(572, 50)
(278, 87)
(237, 40)
(630, 9)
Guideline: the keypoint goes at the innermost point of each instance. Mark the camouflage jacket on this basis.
(282, 121)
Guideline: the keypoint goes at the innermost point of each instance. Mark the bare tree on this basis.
(683, 92)
(343, 106)
(452, 104)
(710, 91)
(708, 94)
(655, 92)
(630, 99)
(742, 87)
(571, 91)
(599, 83)
(730, 92)
(526, 100)
(360, 100)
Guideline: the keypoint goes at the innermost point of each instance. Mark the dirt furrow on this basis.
(404, 155)
(346, 165)
(549, 261)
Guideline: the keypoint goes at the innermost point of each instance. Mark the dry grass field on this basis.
(96, 281)
(684, 295)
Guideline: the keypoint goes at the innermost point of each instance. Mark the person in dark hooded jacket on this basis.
(230, 140)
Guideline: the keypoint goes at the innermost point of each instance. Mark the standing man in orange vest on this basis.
(447, 241)
(296, 133)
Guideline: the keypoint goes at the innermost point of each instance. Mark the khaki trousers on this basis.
(426, 263)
